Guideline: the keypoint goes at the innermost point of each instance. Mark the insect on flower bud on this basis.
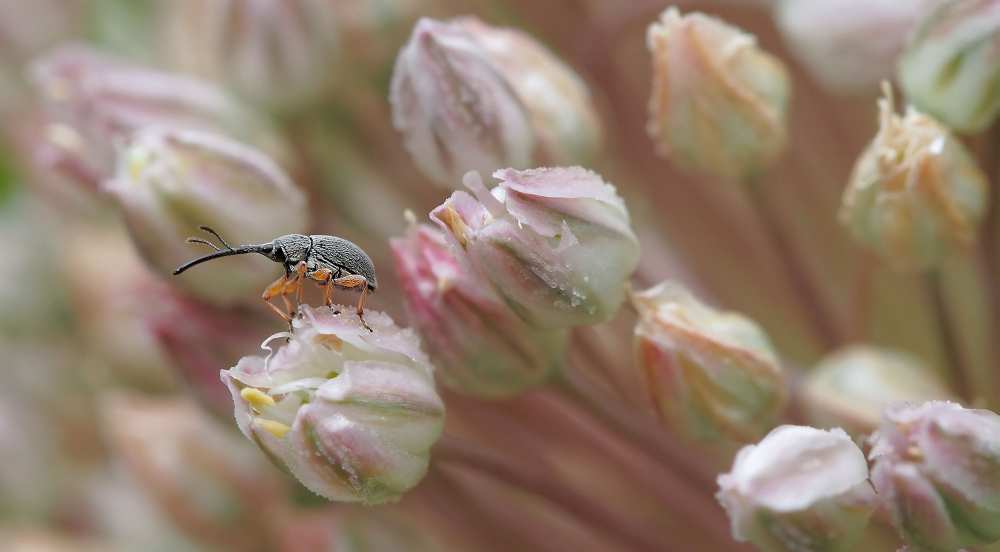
(800, 489)
(455, 109)
(915, 194)
(351, 413)
(952, 66)
(710, 374)
(479, 345)
(169, 182)
(719, 102)
(935, 468)
(555, 243)
(851, 387)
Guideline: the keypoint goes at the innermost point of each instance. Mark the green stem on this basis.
(949, 340)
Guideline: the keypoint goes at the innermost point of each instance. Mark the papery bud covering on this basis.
(170, 182)
(456, 111)
(951, 68)
(915, 194)
(351, 413)
(719, 102)
(936, 468)
(478, 344)
(800, 489)
(710, 374)
(851, 387)
(556, 243)
(282, 54)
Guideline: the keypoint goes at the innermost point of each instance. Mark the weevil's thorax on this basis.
(343, 256)
(292, 249)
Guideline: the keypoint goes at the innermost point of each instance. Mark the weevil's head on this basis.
(288, 250)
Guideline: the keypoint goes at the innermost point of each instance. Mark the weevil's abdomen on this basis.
(337, 252)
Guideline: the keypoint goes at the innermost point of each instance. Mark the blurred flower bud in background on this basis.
(710, 374)
(916, 194)
(800, 489)
(849, 46)
(51, 21)
(351, 413)
(719, 102)
(935, 470)
(951, 69)
(280, 54)
(455, 109)
(479, 346)
(170, 182)
(556, 243)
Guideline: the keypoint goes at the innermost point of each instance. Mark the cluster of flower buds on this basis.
(710, 374)
(800, 489)
(719, 102)
(470, 97)
(916, 194)
(555, 243)
(478, 345)
(351, 412)
(935, 470)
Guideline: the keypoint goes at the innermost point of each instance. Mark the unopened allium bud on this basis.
(170, 182)
(479, 345)
(277, 53)
(351, 413)
(937, 472)
(556, 243)
(710, 374)
(952, 66)
(456, 111)
(915, 194)
(718, 102)
(800, 489)
(849, 46)
(851, 387)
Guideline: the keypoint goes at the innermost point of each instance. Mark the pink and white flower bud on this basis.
(719, 101)
(937, 472)
(951, 67)
(479, 345)
(556, 243)
(710, 374)
(800, 489)
(282, 54)
(456, 111)
(351, 413)
(170, 182)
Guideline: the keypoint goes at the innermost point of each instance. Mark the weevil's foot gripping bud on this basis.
(851, 387)
(936, 467)
(951, 67)
(719, 102)
(799, 489)
(916, 194)
(480, 346)
(711, 375)
(556, 243)
(351, 413)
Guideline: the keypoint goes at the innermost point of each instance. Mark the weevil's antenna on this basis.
(255, 248)
(217, 236)
(205, 242)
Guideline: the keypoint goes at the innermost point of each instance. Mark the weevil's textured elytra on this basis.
(328, 260)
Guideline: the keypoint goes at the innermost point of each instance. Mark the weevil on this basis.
(328, 260)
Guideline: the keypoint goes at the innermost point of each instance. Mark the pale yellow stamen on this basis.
(257, 398)
(275, 428)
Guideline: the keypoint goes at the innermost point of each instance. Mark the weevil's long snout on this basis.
(263, 249)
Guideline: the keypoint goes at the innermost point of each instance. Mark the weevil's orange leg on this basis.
(296, 287)
(354, 281)
(324, 276)
(276, 288)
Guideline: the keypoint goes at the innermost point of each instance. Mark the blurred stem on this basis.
(946, 326)
(815, 308)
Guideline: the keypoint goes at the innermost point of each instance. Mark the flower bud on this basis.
(800, 489)
(351, 413)
(455, 109)
(278, 53)
(710, 374)
(555, 243)
(479, 345)
(916, 193)
(849, 46)
(935, 470)
(719, 102)
(952, 66)
(851, 387)
(170, 182)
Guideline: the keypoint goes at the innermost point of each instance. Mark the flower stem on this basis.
(953, 353)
